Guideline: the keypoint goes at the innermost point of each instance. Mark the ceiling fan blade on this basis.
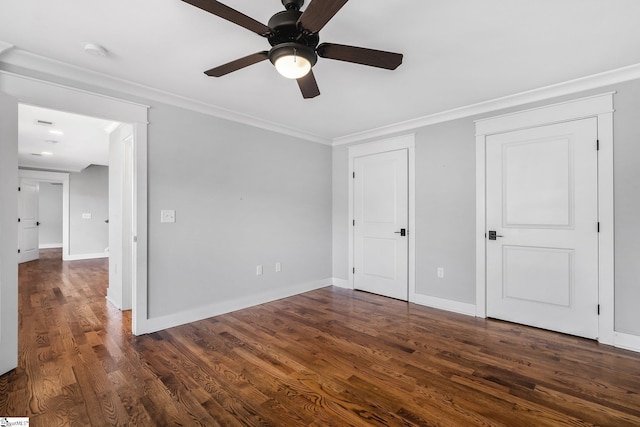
(232, 15)
(308, 86)
(318, 13)
(360, 55)
(237, 64)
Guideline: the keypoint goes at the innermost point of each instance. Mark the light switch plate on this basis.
(167, 215)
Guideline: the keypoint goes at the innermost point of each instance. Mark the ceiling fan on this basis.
(294, 38)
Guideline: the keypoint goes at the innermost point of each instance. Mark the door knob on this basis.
(402, 232)
(37, 223)
(493, 235)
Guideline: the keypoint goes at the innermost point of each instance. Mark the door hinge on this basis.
(354, 222)
(598, 309)
(19, 219)
(18, 250)
(354, 270)
(19, 189)
(598, 226)
(354, 175)
(598, 145)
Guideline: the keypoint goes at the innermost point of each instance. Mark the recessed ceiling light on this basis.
(95, 49)
(46, 153)
(56, 132)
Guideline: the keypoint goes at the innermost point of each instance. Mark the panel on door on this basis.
(381, 222)
(28, 233)
(542, 222)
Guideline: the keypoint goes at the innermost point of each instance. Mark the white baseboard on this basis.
(211, 310)
(112, 301)
(444, 304)
(341, 283)
(50, 245)
(79, 257)
(627, 341)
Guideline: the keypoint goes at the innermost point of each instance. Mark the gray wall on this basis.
(627, 206)
(50, 214)
(445, 206)
(89, 193)
(243, 197)
(8, 233)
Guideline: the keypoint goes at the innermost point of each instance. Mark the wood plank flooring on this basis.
(331, 357)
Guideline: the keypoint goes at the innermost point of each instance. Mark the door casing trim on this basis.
(396, 143)
(600, 107)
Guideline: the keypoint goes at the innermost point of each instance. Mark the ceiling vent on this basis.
(44, 123)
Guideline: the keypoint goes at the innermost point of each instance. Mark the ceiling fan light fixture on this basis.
(293, 60)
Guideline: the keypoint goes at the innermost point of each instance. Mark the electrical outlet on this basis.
(278, 267)
(259, 270)
(440, 273)
(167, 215)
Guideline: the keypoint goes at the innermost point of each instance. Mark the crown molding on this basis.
(619, 75)
(32, 62)
(4, 46)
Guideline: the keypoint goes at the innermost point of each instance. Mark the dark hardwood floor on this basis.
(331, 357)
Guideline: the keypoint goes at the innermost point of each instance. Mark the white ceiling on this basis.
(456, 53)
(73, 141)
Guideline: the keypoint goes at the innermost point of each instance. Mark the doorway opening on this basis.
(93, 160)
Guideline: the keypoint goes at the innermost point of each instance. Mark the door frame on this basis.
(42, 93)
(397, 143)
(600, 107)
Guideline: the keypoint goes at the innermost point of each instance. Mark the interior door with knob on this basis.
(381, 206)
(28, 233)
(542, 227)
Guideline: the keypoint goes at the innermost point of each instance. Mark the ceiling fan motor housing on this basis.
(284, 29)
(287, 38)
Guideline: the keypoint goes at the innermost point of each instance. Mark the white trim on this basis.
(50, 245)
(5, 47)
(22, 58)
(112, 302)
(58, 178)
(52, 95)
(600, 106)
(575, 109)
(606, 250)
(445, 304)
(627, 341)
(341, 283)
(212, 310)
(397, 143)
(55, 96)
(80, 257)
(595, 81)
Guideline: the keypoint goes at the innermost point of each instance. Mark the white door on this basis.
(28, 234)
(542, 204)
(381, 206)
(8, 233)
